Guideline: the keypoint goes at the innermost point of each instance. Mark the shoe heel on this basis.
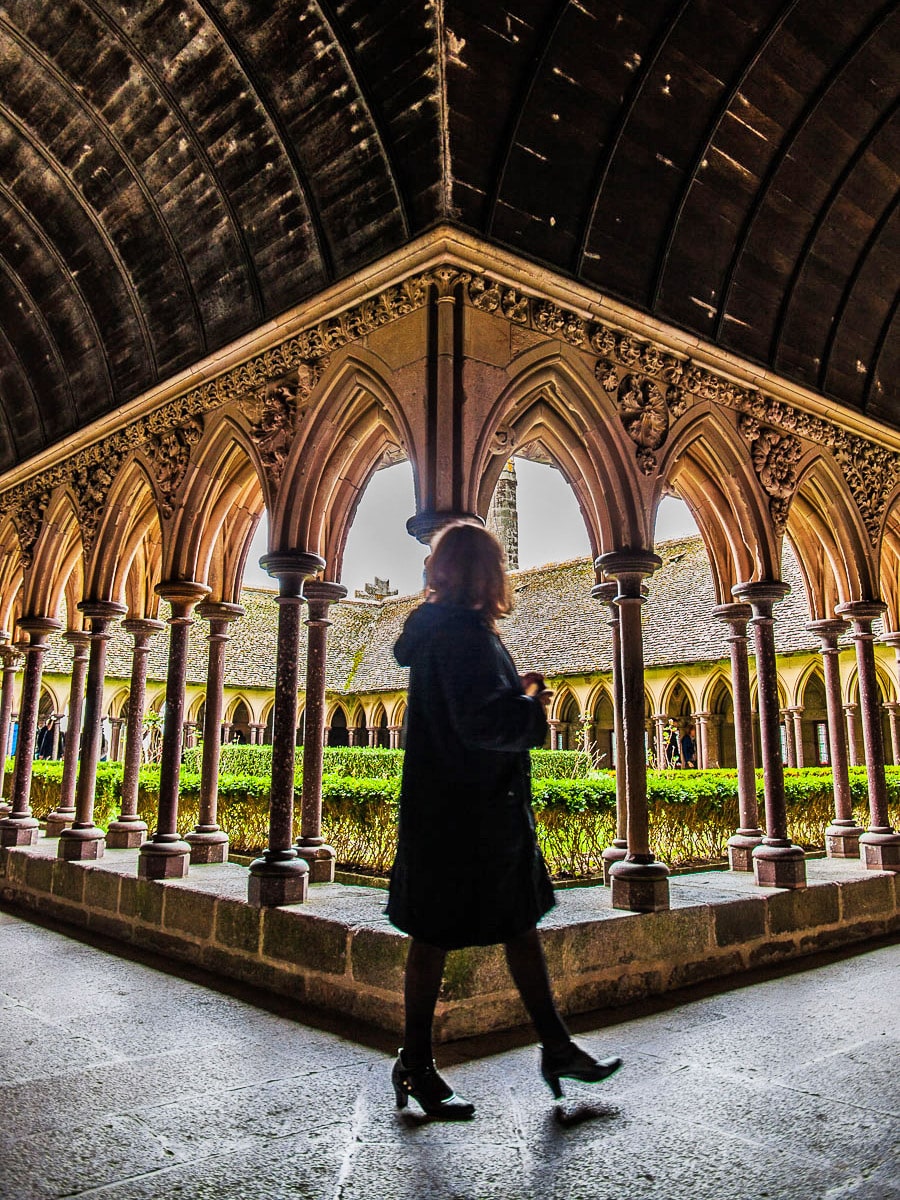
(401, 1097)
(553, 1083)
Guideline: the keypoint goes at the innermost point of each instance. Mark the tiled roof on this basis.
(556, 627)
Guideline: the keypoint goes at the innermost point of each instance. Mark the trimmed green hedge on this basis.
(692, 813)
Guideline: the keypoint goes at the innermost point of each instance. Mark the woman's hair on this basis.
(467, 566)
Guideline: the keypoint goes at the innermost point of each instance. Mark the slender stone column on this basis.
(748, 836)
(639, 882)
(83, 840)
(166, 855)
(116, 725)
(842, 835)
(892, 708)
(311, 846)
(394, 732)
(256, 734)
(701, 726)
(371, 735)
(797, 714)
(618, 848)
(279, 876)
(19, 827)
(659, 739)
(129, 830)
(880, 844)
(776, 861)
(850, 711)
(208, 842)
(790, 744)
(64, 813)
(10, 659)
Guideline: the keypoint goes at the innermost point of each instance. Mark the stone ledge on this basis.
(338, 953)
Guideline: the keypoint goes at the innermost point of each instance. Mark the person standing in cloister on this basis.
(468, 870)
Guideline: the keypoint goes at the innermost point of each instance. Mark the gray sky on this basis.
(551, 528)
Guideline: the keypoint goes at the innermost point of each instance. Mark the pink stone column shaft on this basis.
(279, 876)
(748, 834)
(880, 844)
(789, 743)
(319, 596)
(892, 708)
(207, 841)
(618, 849)
(850, 711)
(659, 739)
(19, 827)
(842, 835)
(64, 813)
(797, 714)
(166, 855)
(10, 659)
(639, 882)
(83, 839)
(776, 861)
(128, 830)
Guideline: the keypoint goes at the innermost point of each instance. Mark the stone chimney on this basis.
(503, 515)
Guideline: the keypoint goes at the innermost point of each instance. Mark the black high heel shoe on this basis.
(574, 1063)
(433, 1094)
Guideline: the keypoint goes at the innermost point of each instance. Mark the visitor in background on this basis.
(44, 744)
(689, 748)
(468, 870)
(673, 747)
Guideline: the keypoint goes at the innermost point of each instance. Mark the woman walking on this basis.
(468, 871)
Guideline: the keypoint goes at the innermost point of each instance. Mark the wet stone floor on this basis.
(122, 1080)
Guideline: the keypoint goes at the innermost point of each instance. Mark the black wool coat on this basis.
(468, 871)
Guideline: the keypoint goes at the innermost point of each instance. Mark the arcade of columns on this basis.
(450, 354)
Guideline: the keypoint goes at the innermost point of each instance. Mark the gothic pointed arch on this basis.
(11, 575)
(57, 552)
(678, 699)
(354, 426)
(714, 687)
(703, 466)
(127, 522)
(550, 400)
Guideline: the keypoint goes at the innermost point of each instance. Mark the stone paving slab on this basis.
(784, 1088)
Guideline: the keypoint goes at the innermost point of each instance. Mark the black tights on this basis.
(528, 967)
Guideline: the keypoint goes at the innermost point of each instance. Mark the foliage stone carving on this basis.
(645, 416)
(29, 518)
(170, 452)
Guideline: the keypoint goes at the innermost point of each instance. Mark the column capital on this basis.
(322, 592)
(629, 568)
(102, 610)
(38, 628)
(424, 526)
(733, 614)
(182, 595)
(850, 709)
(142, 627)
(761, 592)
(892, 640)
(10, 657)
(829, 630)
(891, 706)
(219, 610)
(79, 638)
(859, 611)
(291, 568)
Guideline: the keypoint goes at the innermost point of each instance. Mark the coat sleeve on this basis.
(485, 702)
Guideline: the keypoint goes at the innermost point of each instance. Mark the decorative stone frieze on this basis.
(170, 451)
(774, 456)
(91, 485)
(645, 417)
(272, 414)
(28, 520)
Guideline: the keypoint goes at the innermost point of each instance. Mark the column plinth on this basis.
(776, 861)
(19, 827)
(639, 883)
(166, 855)
(880, 844)
(278, 876)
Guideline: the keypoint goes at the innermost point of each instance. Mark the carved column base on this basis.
(57, 821)
(164, 860)
(740, 849)
(880, 850)
(5, 808)
(278, 881)
(208, 845)
(18, 831)
(640, 887)
(842, 839)
(320, 859)
(76, 845)
(126, 834)
(613, 853)
(779, 866)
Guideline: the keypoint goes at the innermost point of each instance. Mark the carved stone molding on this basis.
(774, 456)
(645, 417)
(91, 485)
(503, 441)
(170, 451)
(29, 516)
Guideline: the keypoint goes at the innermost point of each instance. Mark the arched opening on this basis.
(721, 748)
(814, 743)
(338, 731)
(238, 724)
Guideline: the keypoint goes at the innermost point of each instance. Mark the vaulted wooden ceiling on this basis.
(175, 172)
